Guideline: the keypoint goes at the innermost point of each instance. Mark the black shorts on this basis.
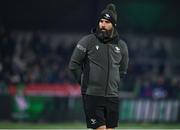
(101, 111)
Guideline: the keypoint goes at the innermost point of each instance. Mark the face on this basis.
(105, 25)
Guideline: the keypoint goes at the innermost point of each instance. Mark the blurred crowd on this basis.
(30, 57)
(42, 57)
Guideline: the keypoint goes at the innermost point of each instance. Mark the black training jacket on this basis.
(97, 66)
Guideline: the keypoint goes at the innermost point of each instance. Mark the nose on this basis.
(103, 24)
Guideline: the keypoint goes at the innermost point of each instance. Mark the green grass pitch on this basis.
(79, 125)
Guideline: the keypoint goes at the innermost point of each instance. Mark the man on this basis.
(97, 63)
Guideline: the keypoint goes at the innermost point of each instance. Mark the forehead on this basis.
(104, 20)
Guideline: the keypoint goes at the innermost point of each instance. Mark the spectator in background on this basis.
(161, 56)
(146, 89)
(160, 90)
(175, 85)
(7, 49)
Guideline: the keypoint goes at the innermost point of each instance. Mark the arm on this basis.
(125, 60)
(76, 61)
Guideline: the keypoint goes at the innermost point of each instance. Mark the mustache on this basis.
(103, 29)
(103, 33)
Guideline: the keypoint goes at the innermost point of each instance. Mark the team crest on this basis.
(93, 121)
(117, 49)
(107, 16)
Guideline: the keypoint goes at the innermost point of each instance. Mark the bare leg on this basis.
(110, 129)
(103, 127)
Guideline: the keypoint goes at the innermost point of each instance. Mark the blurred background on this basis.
(37, 38)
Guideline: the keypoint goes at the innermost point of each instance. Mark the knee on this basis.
(103, 127)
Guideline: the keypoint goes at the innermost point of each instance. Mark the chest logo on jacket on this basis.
(117, 49)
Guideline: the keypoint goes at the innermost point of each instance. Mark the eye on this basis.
(107, 21)
(101, 21)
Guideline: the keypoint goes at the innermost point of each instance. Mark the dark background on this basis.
(145, 16)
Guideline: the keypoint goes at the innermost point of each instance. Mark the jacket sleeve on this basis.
(125, 60)
(76, 61)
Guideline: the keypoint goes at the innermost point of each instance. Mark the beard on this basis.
(103, 34)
